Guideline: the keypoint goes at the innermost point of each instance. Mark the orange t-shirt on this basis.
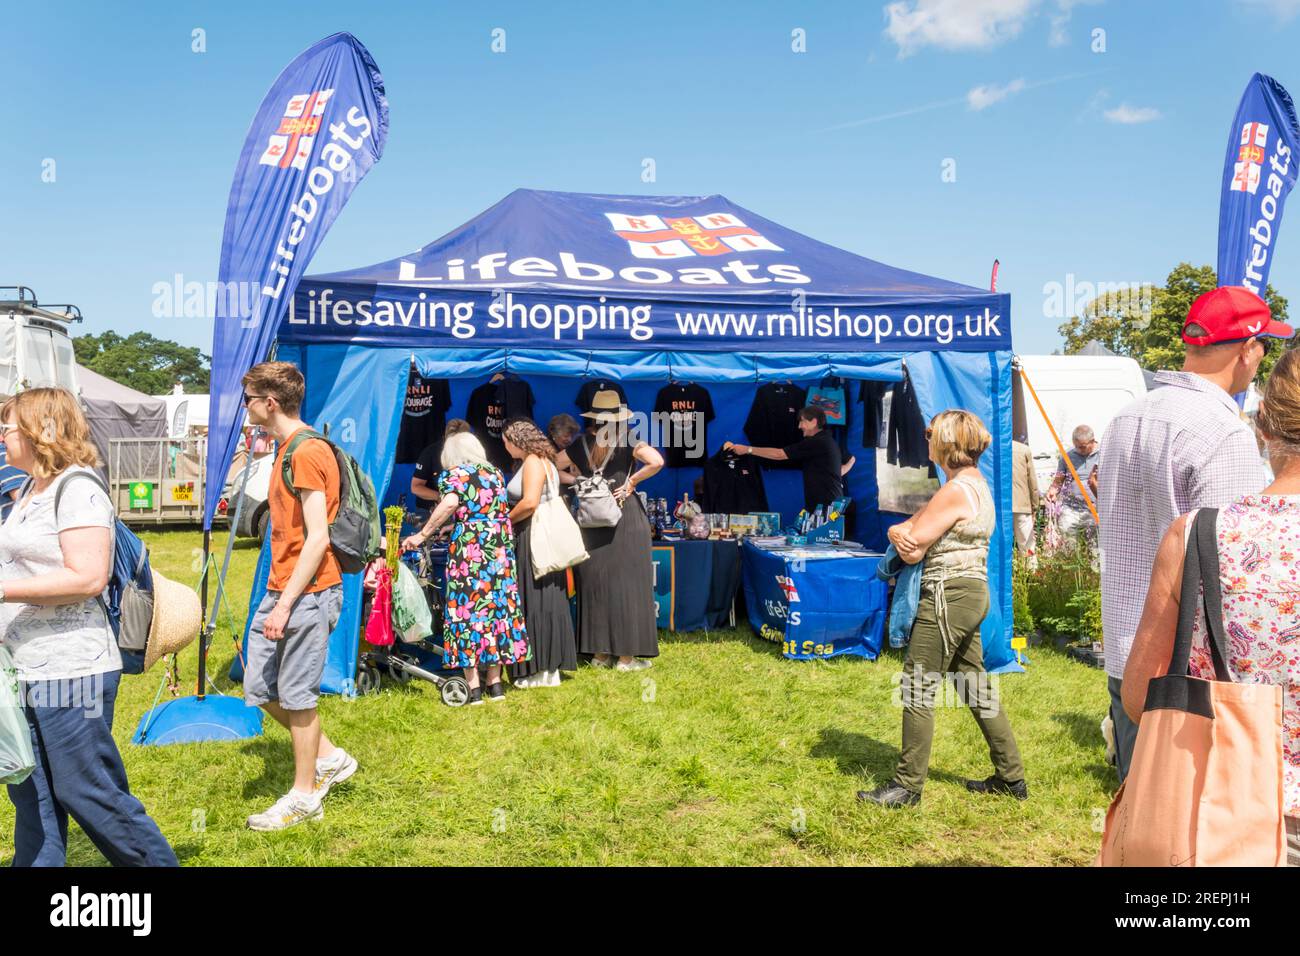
(314, 469)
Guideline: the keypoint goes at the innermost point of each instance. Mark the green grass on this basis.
(723, 753)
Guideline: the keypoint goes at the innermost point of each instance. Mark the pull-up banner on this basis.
(1258, 173)
(317, 133)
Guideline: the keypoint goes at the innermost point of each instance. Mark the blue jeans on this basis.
(79, 773)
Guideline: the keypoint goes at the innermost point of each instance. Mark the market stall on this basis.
(551, 292)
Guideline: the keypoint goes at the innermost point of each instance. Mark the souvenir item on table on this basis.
(742, 525)
(769, 522)
(695, 524)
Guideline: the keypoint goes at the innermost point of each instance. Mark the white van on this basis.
(1075, 390)
(35, 345)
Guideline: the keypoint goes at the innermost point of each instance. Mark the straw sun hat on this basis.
(606, 406)
(177, 618)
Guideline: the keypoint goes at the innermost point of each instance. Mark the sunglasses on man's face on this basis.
(249, 399)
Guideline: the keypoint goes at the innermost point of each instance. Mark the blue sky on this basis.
(1101, 165)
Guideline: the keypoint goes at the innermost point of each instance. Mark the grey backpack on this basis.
(594, 496)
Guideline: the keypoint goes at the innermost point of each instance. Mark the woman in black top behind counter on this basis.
(818, 455)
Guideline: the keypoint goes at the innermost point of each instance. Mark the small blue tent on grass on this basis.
(556, 287)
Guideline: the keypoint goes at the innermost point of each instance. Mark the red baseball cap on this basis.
(1232, 313)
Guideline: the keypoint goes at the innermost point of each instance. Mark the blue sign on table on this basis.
(816, 602)
(662, 558)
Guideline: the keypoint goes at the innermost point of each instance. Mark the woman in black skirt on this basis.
(616, 601)
(545, 599)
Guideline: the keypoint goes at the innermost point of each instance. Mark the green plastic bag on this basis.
(16, 758)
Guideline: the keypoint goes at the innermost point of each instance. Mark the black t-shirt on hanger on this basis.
(425, 415)
(687, 410)
(733, 484)
(493, 404)
(773, 420)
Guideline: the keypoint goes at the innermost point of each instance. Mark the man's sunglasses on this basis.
(248, 399)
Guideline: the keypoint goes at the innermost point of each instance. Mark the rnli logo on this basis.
(667, 237)
(1250, 154)
(787, 588)
(290, 144)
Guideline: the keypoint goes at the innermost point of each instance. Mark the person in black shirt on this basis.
(817, 453)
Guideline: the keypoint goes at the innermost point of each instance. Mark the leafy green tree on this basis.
(1149, 329)
(142, 362)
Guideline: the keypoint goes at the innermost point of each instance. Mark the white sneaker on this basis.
(291, 809)
(635, 664)
(334, 770)
(607, 662)
(523, 683)
(553, 678)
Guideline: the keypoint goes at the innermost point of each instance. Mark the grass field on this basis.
(723, 753)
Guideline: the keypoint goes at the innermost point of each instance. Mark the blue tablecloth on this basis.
(696, 583)
(816, 602)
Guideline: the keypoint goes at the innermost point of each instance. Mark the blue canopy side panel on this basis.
(980, 383)
(357, 392)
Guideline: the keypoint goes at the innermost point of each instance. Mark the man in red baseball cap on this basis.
(1232, 313)
(1183, 446)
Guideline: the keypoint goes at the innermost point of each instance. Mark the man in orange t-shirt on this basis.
(288, 639)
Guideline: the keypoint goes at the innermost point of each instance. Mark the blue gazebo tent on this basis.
(555, 287)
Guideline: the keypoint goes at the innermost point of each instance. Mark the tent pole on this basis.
(203, 605)
(1087, 499)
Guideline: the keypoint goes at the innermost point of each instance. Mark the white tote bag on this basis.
(555, 540)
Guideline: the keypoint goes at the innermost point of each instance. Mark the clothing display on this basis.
(688, 409)
(819, 458)
(831, 395)
(427, 402)
(872, 397)
(733, 484)
(773, 420)
(593, 385)
(493, 404)
(907, 446)
(616, 599)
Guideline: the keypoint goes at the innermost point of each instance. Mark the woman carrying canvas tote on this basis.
(1216, 772)
(545, 596)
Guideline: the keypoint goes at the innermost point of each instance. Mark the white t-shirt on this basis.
(67, 640)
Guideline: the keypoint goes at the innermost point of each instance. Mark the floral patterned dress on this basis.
(1259, 542)
(484, 621)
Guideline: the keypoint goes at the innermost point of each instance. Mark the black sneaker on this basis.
(496, 692)
(475, 696)
(996, 785)
(890, 795)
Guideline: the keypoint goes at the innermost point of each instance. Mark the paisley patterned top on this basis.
(1259, 548)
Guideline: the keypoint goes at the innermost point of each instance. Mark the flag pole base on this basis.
(190, 720)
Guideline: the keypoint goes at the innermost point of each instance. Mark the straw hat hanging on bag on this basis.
(177, 618)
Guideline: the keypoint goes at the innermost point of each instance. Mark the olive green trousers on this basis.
(945, 653)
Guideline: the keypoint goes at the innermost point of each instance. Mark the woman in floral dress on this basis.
(484, 621)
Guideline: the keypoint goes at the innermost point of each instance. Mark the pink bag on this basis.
(1205, 785)
(379, 626)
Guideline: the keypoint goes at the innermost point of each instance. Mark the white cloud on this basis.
(1061, 19)
(955, 24)
(1131, 114)
(1281, 9)
(985, 96)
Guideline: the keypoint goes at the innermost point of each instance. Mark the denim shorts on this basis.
(289, 670)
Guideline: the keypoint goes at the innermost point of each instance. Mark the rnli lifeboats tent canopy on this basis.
(557, 286)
